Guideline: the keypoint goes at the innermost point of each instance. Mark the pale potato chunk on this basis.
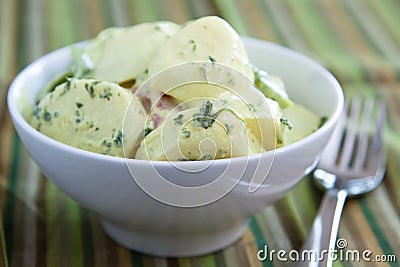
(302, 122)
(261, 115)
(189, 135)
(209, 39)
(101, 117)
(123, 54)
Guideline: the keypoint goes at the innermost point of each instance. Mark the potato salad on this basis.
(163, 91)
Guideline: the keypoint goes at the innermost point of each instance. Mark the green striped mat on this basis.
(357, 40)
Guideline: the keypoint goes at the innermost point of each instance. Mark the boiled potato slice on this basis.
(122, 54)
(101, 117)
(188, 135)
(261, 115)
(209, 39)
(303, 122)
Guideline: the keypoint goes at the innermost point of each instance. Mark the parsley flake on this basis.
(287, 123)
(106, 94)
(212, 59)
(118, 140)
(178, 120)
(186, 133)
(228, 127)
(192, 42)
(46, 116)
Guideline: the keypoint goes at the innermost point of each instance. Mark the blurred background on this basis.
(357, 40)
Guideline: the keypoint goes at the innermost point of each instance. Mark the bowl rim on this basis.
(21, 122)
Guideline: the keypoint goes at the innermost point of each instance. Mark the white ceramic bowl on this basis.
(194, 216)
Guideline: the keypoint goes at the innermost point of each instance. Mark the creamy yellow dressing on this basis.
(123, 54)
(187, 137)
(96, 116)
(206, 39)
(227, 112)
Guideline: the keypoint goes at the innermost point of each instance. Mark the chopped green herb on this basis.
(287, 123)
(206, 156)
(194, 45)
(212, 59)
(178, 120)
(204, 116)
(79, 105)
(46, 116)
(55, 114)
(222, 152)
(106, 143)
(251, 107)
(66, 87)
(186, 133)
(89, 89)
(106, 94)
(36, 111)
(228, 127)
(322, 121)
(118, 140)
(147, 130)
(90, 124)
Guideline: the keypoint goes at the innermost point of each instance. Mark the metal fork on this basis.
(352, 163)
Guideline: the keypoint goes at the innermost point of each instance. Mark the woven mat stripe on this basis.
(372, 65)
(323, 42)
(374, 33)
(393, 168)
(197, 9)
(143, 11)
(7, 71)
(229, 10)
(388, 12)
(12, 236)
(387, 222)
(8, 48)
(276, 15)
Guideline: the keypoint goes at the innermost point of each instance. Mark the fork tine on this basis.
(380, 124)
(331, 150)
(362, 148)
(351, 134)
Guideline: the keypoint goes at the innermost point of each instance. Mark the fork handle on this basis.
(322, 239)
